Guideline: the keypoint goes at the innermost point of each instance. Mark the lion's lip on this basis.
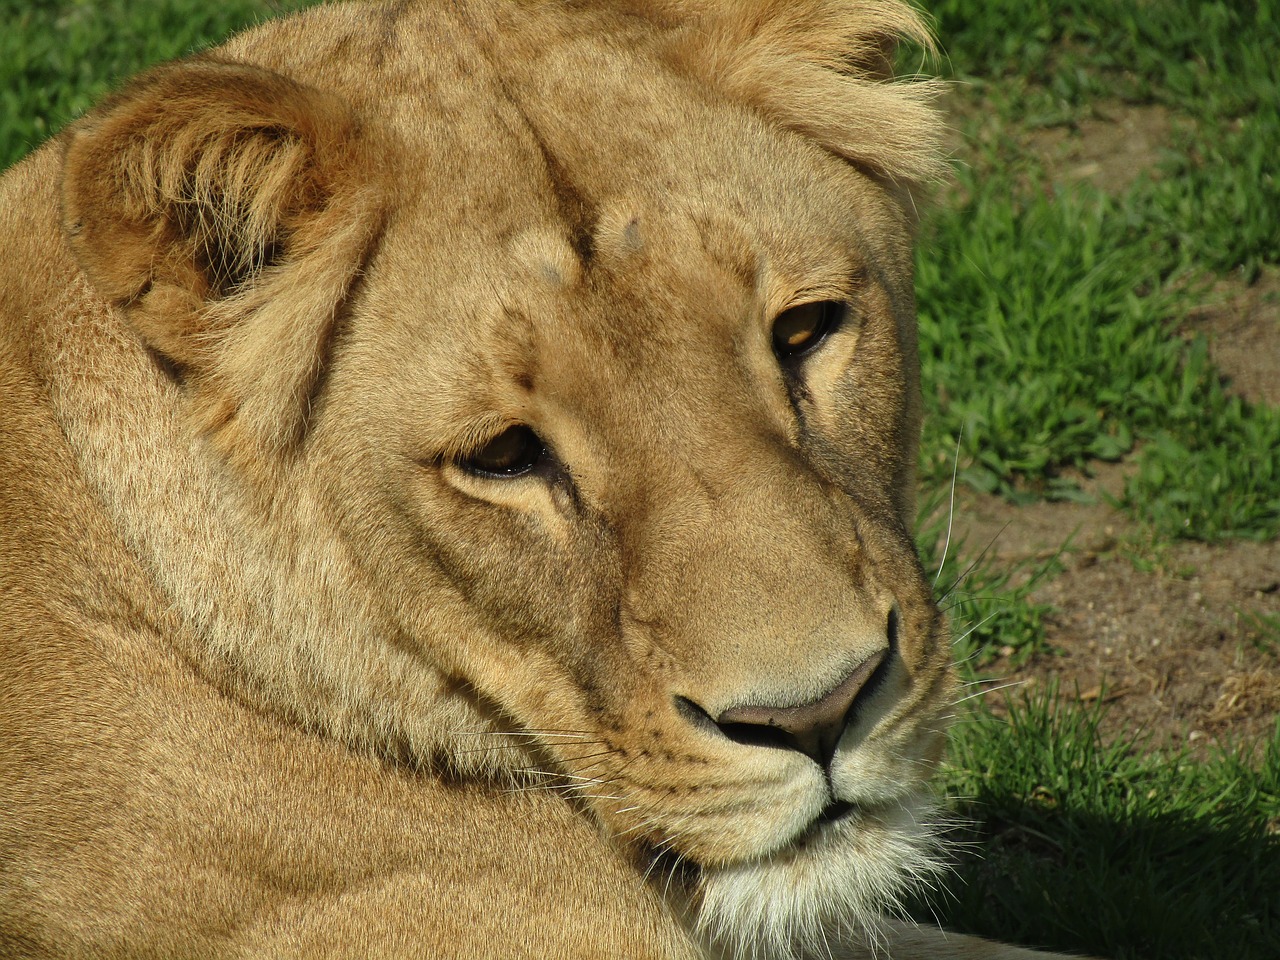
(834, 811)
(836, 815)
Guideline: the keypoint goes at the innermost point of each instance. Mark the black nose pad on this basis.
(812, 728)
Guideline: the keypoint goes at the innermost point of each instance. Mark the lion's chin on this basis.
(833, 884)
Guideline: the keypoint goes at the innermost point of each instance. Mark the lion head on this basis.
(528, 391)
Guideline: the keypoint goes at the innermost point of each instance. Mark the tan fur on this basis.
(281, 677)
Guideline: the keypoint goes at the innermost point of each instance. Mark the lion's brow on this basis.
(578, 212)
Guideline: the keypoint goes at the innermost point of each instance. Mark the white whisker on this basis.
(551, 773)
(984, 692)
(964, 636)
(951, 509)
(974, 564)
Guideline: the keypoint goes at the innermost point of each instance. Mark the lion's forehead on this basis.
(573, 119)
(603, 212)
(569, 214)
(549, 275)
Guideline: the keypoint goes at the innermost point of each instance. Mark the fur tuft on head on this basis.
(820, 67)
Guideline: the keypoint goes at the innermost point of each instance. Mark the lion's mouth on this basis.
(836, 816)
(835, 811)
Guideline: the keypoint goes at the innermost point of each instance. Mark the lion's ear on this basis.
(225, 209)
(820, 67)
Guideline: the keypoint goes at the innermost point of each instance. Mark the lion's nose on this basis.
(812, 728)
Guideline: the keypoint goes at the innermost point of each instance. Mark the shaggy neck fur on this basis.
(272, 604)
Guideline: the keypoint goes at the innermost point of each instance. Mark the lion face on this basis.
(597, 387)
(651, 448)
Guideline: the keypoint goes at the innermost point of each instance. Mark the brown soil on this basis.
(1181, 640)
(1243, 327)
(1110, 150)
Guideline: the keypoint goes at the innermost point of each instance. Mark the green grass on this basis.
(1049, 338)
(1213, 471)
(1042, 335)
(1206, 57)
(1215, 203)
(1047, 315)
(1262, 631)
(59, 57)
(1079, 843)
(1046, 326)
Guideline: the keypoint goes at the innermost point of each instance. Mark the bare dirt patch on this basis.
(1179, 652)
(1180, 640)
(1242, 323)
(1110, 150)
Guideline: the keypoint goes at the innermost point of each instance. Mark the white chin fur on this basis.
(828, 889)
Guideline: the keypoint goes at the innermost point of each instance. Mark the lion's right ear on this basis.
(225, 210)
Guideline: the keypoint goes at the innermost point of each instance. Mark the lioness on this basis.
(455, 491)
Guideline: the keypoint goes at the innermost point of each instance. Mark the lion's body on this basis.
(284, 673)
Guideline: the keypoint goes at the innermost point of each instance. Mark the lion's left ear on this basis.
(225, 210)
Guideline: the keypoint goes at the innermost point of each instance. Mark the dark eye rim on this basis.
(531, 455)
(833, 315)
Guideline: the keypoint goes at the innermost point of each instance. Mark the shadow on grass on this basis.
(1084, 846)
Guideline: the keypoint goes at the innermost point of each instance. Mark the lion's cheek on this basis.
(537, 617)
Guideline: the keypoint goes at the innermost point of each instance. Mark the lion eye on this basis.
(511, 453)
(801, 329)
